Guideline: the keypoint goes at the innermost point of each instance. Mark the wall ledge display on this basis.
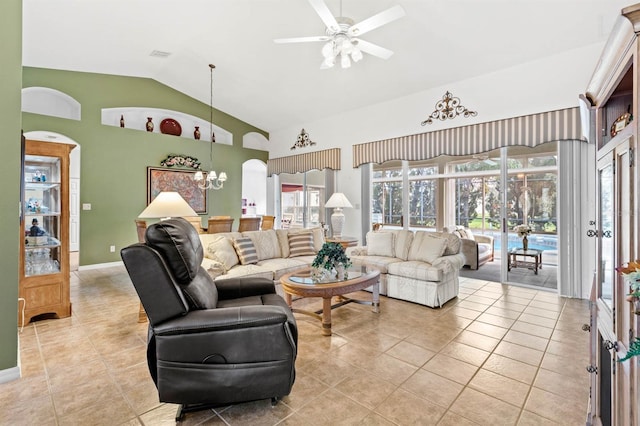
(137, 117)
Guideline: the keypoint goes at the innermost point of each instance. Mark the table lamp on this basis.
(167, 205)
(337, 201)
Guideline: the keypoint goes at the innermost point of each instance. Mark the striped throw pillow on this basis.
(246, 251)
(301, 244)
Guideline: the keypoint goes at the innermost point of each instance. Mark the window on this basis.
(386, 200)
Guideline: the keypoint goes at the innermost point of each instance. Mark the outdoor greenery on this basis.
(531, 196)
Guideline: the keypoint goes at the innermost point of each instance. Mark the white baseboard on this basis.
(100, 266)
(9, 374)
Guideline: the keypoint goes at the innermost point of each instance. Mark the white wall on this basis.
(545, 85)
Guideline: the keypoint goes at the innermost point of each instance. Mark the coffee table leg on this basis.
(287, 298)
(326, 316)
(375, 298)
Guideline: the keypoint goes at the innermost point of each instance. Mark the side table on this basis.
(535, 264)
(343, 241)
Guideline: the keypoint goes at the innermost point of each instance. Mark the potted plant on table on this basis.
(331, 261)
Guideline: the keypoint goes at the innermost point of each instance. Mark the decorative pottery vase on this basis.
(149, 124)
(525, 243)
(340, 270)
(121, 120)
(196, 133)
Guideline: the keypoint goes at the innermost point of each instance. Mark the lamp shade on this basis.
(339, 200)
(168, 204)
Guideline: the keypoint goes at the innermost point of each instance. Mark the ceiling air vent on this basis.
(159, 54)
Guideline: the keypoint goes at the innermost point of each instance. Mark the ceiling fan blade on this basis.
(301, 39)
(325, 14)
(373, 49)
(376, 21)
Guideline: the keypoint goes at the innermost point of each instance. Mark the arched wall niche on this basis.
(255, 140)
(47, 101)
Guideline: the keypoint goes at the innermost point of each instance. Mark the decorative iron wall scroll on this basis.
(447, 109)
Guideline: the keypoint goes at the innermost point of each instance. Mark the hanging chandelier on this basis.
(210, 180)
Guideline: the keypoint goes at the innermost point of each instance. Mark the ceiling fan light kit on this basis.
(341, 35)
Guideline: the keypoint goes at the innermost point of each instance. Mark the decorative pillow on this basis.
(380, 244)
(216, 269)
(266, 243)
(246, 251)
(469, 234)
(222, 250)
(427, 248)
(301, 244)
(318, 238)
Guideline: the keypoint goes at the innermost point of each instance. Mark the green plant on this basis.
(330, 255)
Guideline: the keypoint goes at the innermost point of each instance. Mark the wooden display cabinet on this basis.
(44, 231)
(613, 95)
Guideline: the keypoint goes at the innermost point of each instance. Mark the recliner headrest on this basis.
(178, 242)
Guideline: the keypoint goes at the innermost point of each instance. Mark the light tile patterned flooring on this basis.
(496, 355)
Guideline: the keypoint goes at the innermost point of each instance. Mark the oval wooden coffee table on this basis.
(300, 283)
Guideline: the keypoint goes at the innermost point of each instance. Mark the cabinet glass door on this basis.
(42, 192)
(606, 199)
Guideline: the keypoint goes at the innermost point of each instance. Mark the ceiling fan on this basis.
(482, 159)
(342, 35)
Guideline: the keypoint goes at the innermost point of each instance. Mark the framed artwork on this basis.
(181, 181)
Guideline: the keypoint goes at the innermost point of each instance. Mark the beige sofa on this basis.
(477, 249)
(267, 254)
(421, 267)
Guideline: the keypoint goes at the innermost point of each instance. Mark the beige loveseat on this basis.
(268, 254)
(477, 249)
(421, 267)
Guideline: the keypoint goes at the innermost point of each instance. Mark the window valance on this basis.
(326, 159)
(527, 130)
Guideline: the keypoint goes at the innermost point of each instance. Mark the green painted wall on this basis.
(113, 176)
(10, 84)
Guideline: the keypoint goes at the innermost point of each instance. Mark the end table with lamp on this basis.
(337, 202)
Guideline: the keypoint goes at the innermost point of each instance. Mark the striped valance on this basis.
(528, 130)
(327, 159)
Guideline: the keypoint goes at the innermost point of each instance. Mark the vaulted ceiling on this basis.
(275, 85)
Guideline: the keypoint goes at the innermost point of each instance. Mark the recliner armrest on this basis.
(486, 239)
(238, 287)
(220, 319)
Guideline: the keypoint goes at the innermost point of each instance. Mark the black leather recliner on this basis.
(209, 343)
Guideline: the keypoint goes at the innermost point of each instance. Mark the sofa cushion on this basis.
(454, 241)
(265, 242)
(281, 266)
(301, 244)
(246, 251)
(403, 240)
(380, 244)
(379, 262)
(222, 250)
(252, 271)
(427, 247)
(416, 270)
(483, 248)
(214, 268)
